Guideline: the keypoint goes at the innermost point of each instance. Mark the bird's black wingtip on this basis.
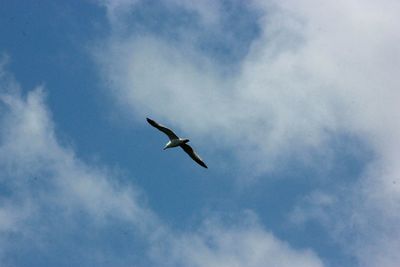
(150, 121)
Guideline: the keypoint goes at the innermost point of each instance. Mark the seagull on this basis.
(175, 141)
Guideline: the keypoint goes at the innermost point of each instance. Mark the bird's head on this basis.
(167, 145)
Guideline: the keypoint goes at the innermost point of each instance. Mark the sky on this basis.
(293, 105)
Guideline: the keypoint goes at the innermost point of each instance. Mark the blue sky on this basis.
(294, 111)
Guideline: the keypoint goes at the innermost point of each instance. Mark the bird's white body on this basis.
(175, 142)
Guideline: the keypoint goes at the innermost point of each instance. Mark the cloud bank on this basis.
(313, 71)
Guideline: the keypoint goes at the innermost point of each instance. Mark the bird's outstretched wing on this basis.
(189, 150)
(162, 128)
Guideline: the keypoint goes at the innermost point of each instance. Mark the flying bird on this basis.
(175, 141)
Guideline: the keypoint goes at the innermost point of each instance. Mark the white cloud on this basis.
(315, 71)
(30, 149)
(44, 184)
(48, 192)
(247, 244)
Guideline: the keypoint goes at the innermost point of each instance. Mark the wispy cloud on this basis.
(45, 185)
(235, 244)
